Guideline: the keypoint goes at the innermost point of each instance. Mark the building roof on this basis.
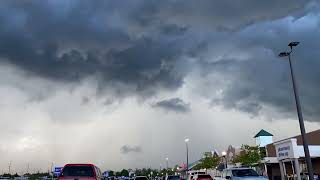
(262, 132)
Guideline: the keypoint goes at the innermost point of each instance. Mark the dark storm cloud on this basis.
(173, 104)
(214, 14)
(68, 41)
(259, 78)
(141, 47)
(85, 100)
(130, 149)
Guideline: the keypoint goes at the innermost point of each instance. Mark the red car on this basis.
(80, 172)
(202, 177)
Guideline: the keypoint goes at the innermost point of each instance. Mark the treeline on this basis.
(33, 176)
(144, 172)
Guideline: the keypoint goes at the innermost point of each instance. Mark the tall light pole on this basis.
(9, 168)
(51, 170)
(224, 155)
(187, 149)
(301, 123)
(167, 161)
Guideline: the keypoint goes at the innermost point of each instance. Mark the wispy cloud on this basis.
(128, 149)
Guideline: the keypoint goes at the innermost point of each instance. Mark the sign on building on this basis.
(287, 149)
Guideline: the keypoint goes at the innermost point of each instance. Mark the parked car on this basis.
(141, 178)
(80, 172)
(241, 174)
(202, 177)
(110, 178)
(192, 174)
(173, 177)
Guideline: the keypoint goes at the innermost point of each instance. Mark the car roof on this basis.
(81, 164)
(201, 174)
(239, 168)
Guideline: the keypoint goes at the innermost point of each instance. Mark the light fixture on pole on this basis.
(187, 149)
(224, 155)
(167, 161)
(298, 106)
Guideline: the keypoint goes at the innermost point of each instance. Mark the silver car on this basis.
(241, 174)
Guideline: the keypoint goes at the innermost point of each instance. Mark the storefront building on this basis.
(285, 158)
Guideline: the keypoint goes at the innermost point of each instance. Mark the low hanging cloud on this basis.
(130, 149)
(136, 47)
(173, 104)
(252, 76)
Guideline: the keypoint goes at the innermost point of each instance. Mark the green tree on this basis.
(250, 155)
(168, 171)
(6, 175)
(111, 173)
(118, 173)
(146, 172)
(208, 161)
(124, 172)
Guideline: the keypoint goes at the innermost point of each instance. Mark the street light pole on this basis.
(187, 149)
(167, 161)
(51, 170)
(300, 117)
(224, 155)
(10, 168)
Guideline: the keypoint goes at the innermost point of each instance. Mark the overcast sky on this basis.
(122, 83)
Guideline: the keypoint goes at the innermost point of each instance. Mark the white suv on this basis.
(241, 174)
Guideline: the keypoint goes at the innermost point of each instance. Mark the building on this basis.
(263, 138)
(232, 152)
(286, 157)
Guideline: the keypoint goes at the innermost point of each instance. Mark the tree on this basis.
(118, 174)
(208, 161)
(6, 175)
(249, 155)
(168, 171)
(124, 172)
(146, 172)
(111, 173)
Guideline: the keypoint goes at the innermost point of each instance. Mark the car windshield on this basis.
(244, 172)
(173, 177)
(83, 171)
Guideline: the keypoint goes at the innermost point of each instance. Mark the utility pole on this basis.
(28, 167)
(10, 167)
(51, 170)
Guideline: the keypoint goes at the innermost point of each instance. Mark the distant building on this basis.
(232, 152)
(215, 152)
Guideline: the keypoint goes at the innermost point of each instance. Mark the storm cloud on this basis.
(113, 69)
(142, 48)
(173, 104)
(129, 149)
